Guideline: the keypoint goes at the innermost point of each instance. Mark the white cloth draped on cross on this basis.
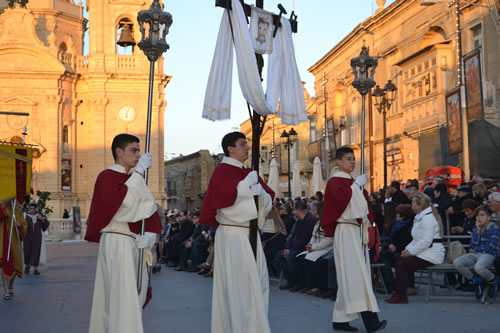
(283, 79)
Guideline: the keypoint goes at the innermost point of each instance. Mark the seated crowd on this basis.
(411, 231)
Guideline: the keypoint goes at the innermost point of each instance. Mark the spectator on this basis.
(312, 272)
(469, 206)
(455, 211)
(479, 193)
(194, 247)
(494, 203)
(410, 192)
(399, 238)
(296, 243)
(484, 246)
(493, 188)
(397, 197)
(319, 196)
(287, 217)
(65, 214)
(186, 228)
(424, 250)
(273, 238)
(443, 200)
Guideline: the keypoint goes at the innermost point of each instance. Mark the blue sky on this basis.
(192, 37)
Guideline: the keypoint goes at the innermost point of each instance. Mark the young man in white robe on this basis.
(346, 218)
(120, 202)
(241, 284)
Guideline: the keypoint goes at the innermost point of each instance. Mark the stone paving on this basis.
(59, 300)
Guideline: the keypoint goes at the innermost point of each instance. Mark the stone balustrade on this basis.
(62, 229)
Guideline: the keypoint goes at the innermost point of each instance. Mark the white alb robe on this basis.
(116, 306)
(352, 260)
(240, 297)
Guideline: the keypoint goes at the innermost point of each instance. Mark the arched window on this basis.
(65, 134)
(63, 47)
(125, 36)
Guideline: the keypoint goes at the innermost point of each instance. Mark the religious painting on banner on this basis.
(66, 175)
(15, 172)
(261, 30)
(473, 86)
(454, 121)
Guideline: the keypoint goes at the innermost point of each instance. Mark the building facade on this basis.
(416, 44)
(187, 178)
(77, 103)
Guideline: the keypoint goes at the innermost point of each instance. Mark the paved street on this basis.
(59, 300)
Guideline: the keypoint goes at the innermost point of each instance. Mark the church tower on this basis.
(114, 91)
(77, 103)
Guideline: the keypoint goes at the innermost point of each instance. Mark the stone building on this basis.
(187, 178)
(415, 42)
(77, 103)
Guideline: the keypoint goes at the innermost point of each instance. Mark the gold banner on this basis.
(15, 171)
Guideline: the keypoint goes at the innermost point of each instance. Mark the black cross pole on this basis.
(258, 121)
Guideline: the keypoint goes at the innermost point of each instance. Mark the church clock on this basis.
(127, 114)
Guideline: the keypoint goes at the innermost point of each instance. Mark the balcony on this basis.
(313, 150)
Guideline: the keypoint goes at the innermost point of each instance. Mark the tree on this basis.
(41, 203)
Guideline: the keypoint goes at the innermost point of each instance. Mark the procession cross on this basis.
(257, 120)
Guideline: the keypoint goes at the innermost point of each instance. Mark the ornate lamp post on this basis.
(363, 68)
(288, 139)
(383, 101)
(153, 24)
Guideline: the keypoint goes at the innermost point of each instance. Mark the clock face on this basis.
(127, 114)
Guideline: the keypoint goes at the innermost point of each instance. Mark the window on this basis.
(312, 130)
(353, 133)
(477, 36)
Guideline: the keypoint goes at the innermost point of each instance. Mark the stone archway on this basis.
(434, 35)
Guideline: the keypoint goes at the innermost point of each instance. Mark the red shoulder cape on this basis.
(338, 194)
(222, 192)
(109, 192)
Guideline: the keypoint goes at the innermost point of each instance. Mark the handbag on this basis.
(455, 250)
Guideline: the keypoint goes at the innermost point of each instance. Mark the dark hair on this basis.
(470, 204)
(319, 194)
(286, 207)
(121, 141)
(301, 204)
(194, 214)
(342, 151)
(483, 208)
(230, 140)
(405, 211)
(414, 182)
(33, 204)
(396, 185)
(441, 188)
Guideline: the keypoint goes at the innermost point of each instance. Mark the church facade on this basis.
(72, 105)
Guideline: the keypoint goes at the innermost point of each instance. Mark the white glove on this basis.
(361, 180)
(252, 178)
(145, 162)
(142, 241)
(257, 189)
(146, 240)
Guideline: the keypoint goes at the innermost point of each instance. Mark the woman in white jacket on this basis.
(426, 248)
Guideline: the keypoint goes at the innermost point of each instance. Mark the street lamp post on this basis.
(153, 24)
(363, 68)
(383, 101)
(288, 139)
